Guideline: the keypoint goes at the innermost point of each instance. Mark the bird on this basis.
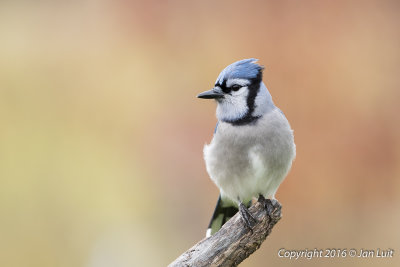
(252, 148)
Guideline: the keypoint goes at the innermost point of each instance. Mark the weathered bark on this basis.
(234, 242)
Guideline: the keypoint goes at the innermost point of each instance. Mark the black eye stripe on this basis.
(227, 90)
(223, 87)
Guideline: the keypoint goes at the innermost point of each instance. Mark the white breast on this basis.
(245, 161)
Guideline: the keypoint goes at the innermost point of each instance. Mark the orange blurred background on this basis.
(101, 132)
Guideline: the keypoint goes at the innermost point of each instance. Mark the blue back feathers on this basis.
(242, 69)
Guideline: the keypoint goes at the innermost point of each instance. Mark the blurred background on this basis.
(101, 133)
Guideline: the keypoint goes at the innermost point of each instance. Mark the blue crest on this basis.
(242, 69)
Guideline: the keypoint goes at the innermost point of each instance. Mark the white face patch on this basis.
(241, 82)
(241, 91)
(233, 106)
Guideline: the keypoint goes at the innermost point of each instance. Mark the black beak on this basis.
(210, 94)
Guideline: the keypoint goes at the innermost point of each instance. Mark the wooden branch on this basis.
(234, 242)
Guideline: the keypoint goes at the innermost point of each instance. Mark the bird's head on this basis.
(240, 93)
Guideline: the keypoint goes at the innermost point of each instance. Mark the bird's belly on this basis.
(246, 166)
(242, 172)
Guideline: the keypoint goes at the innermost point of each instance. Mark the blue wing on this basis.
(216, 127)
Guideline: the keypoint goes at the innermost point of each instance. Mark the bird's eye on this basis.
(236, 87)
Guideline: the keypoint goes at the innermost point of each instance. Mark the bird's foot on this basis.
(247, 217)
(272, 206)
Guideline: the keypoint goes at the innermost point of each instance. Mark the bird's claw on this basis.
(272, 206)
(247, 217)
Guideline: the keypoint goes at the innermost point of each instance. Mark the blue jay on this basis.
(253, 145)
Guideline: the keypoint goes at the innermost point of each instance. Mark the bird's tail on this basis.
(222, 213)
